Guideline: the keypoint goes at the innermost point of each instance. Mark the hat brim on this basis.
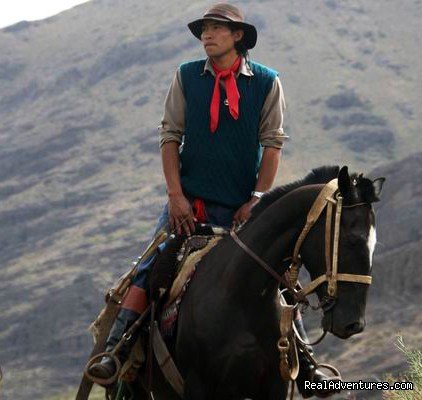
(250, 34)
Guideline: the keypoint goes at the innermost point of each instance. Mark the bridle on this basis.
(328, 198)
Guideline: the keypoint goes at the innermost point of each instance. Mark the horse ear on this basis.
(344, 181)
(377, 184)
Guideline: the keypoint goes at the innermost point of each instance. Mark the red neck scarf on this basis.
(232, 93)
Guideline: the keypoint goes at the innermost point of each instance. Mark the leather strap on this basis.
(328, 222)
(332, 283)
(310, 287)
(259, 260)
(314, 213)
(366, 279)
(289, 360)
(166, 362)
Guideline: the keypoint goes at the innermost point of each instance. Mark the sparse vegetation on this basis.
(360, 140)
(344, 100)
(413, 374)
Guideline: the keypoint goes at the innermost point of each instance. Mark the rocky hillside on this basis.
(81, 95)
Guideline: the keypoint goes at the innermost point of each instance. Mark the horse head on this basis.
(344, 307)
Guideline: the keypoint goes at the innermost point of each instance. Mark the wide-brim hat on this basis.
(230, 14)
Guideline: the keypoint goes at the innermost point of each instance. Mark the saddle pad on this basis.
(188, 268)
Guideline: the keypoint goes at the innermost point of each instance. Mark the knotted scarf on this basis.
(229, 77)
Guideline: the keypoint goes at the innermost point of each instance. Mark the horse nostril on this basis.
(354, 328)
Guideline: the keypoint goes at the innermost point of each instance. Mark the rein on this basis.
(258, 259)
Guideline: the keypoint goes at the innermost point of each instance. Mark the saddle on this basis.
(175, 268)
(169, 279)
(178, 257)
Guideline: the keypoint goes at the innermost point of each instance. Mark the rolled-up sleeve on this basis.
(173, 122)
(271, 132)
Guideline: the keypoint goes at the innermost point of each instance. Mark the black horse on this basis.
(228, 324)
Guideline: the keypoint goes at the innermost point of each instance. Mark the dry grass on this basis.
(96, 394)
(413, 374)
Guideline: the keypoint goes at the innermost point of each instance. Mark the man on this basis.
(226, 108)
(220, 139)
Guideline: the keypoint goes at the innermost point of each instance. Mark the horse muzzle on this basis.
(340, 328)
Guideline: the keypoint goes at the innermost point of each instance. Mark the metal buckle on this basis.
(283, 344)
(327, 303)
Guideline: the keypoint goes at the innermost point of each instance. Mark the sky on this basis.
(12, 11)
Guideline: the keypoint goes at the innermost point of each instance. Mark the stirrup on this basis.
(334, 370)
(102, 381)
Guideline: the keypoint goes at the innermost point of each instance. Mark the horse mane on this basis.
(319, 175)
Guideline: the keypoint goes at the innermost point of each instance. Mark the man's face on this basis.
(218, 39)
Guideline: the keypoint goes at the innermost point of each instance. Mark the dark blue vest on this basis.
(222, 167)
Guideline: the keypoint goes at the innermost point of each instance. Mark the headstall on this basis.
(327, 198)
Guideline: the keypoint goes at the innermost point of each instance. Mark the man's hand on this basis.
(244, 212)
(181, 214)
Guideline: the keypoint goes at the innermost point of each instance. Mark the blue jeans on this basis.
(216, 215)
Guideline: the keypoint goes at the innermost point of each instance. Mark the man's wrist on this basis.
(174, 193)
(257, 194)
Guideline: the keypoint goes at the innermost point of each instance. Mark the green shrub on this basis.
(413, 374)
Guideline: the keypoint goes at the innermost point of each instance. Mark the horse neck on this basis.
(272, 236)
